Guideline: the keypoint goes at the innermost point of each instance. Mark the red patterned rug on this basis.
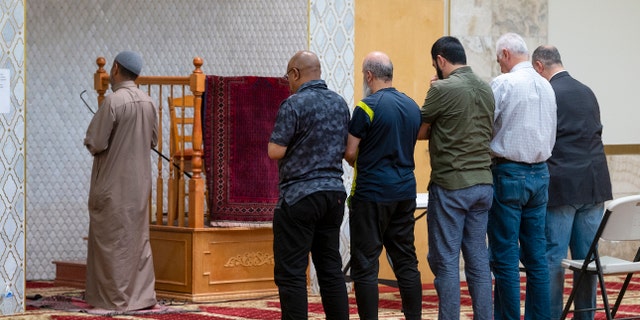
(239, 113)
(269, 307)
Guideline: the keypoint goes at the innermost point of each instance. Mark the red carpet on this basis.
(269, 307)
(239, 113)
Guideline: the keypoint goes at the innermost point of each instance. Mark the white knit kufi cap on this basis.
(130, 60)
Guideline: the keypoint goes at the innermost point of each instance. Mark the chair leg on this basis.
(605, 299)
(347, 268)
(623, 290)
(627, 280)
(567, 306)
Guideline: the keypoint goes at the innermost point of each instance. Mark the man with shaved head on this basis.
(308, 140)
(382, 136)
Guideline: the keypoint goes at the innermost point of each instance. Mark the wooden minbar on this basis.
(193, 261)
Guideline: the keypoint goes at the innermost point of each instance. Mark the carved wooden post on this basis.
(101, 79)
(196, 184)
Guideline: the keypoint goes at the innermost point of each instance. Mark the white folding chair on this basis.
(620, 222)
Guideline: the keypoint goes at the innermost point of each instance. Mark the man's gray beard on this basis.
(366, 90)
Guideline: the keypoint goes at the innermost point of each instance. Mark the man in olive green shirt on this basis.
(457, 118)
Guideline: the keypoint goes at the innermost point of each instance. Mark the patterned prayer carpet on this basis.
(239, 113)
(62, 303)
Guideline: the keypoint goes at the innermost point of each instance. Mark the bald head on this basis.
(303, 66)
(377, 71)
(379, 64)
(546, 60)
(307, 63)
(548, 55)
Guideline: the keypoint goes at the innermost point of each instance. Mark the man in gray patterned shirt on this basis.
(309, 140)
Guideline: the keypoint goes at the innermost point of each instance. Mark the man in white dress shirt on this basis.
(524, 135)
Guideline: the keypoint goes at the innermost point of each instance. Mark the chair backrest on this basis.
(181, 111)
(622, 218)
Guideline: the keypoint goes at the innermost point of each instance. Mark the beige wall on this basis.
(582, 43)
(405, 31)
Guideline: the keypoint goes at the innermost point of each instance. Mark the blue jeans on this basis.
(310, 225)
(390, 224)
(516, 232)
(457, 220)
(571, 227)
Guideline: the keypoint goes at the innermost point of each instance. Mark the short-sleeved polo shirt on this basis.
(312, 123)
(387, 122)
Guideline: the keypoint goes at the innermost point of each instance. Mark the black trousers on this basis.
(311, 225)
(390, 224)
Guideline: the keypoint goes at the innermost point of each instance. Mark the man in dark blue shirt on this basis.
(309, 139)
(382, 136)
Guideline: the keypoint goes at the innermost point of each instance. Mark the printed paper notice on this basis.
(5, 93)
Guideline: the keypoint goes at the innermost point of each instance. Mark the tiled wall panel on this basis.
(12, 155)
(331, 37)
(248, 37)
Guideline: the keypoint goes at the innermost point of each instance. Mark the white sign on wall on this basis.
(5, 92)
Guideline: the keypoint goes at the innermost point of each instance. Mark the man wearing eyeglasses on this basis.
(309, 140)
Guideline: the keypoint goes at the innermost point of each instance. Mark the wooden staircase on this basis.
(70, 273)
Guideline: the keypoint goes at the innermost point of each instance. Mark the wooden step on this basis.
(70, 274)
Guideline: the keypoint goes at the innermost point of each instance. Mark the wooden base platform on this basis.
(198, 265)
(210, 264)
